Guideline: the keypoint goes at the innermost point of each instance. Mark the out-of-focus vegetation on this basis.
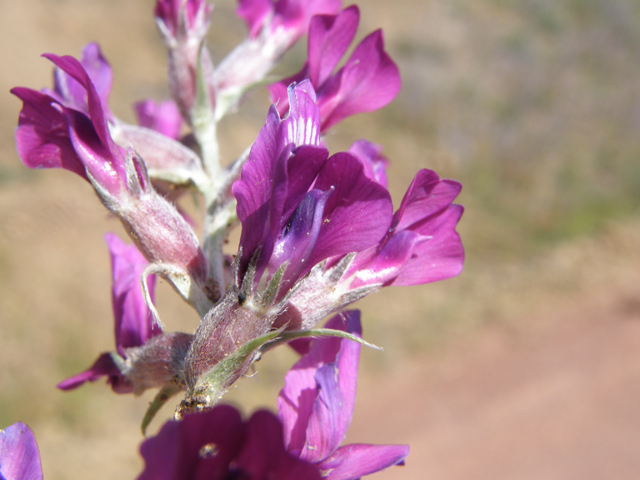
(534, 105)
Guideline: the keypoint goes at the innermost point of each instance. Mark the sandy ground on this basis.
(562, 403)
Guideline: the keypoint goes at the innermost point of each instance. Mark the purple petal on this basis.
(19, 456)
(42, 137)
(337, 382)
(426, 196)
(163, 117)
(254, 12)
(201, 446)
(369, 81)
(254, 188)
(379, 267)
(295, 15)
(329, 39)
(74, 94)
(357, 460)
(375, 165)
(263, 454)
(297, 399)
(134, 324)
(302, 126)
(440, 255)
(102, 367)
(299, 236)
(74, 68)
(358, 213)
(278, 90)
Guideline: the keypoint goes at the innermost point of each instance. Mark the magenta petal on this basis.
(74, 94)
(440, 255)
(329, 39)
(75, 69)
(295, 15)
(337, 381)
(358, 213)
(162, 117)
(254, 12)
(134, 324)
(426, 196)
(387, 263)
(19, 456)
(42, 137)
(369, 81)
(357, 460)
(278, 90)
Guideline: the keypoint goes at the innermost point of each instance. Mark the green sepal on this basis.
(160, 399)
(318, 332)
(273, 287)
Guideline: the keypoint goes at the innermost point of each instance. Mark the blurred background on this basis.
(526, 366)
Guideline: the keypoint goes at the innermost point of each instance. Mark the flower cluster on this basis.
(319, 232)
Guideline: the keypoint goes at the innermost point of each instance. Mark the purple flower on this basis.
(375, 164)
(52, 135)
(19, 456)
(298, 207)
(183, 25)
(421, 245)
(219, 445)
(368, 81)
(316, 405)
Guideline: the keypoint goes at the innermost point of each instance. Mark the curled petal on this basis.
(19, 456)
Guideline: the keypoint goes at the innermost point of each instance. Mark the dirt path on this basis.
(562, 402)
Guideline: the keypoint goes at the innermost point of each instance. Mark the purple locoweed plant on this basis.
(318, 233)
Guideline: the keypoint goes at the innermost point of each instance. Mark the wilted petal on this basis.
(102, 367)
(162, 117)
(134, 324)
(357, 460)
(329, 39)
(19, 456)
(369, 81)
